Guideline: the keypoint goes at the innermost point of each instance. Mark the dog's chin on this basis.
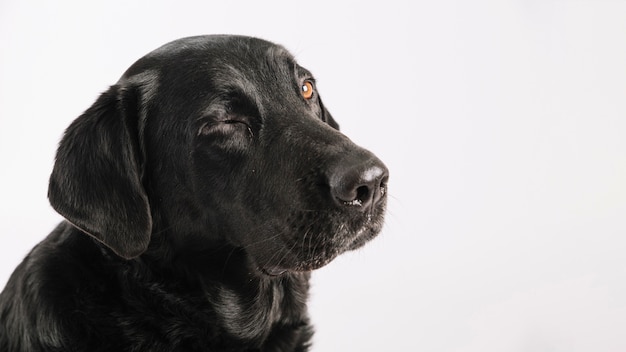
(297, 266)
(300, 267)
(298, 258)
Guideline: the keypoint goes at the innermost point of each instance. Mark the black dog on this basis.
(199, 192)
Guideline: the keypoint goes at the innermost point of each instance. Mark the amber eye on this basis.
(307, 90)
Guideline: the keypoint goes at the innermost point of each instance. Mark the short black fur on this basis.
(199, 193)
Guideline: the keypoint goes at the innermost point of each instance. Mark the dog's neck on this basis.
(252, 315)
(250, 303)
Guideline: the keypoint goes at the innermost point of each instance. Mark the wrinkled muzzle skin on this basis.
(261, 166)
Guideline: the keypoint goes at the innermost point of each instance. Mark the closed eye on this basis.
(242, 123)
(226, 126)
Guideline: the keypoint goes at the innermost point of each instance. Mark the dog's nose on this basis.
(359, 181)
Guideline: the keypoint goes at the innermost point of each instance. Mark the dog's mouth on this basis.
(312, 248)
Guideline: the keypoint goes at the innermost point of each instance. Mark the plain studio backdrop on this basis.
(503, 124)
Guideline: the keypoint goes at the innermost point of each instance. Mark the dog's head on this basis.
(219, 138)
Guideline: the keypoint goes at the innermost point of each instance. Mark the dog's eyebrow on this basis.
(230, 81)
(233, 80)
(303, 72)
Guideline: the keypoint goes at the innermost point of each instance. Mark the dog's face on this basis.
(220, 138)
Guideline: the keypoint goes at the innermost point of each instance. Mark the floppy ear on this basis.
(96, 179)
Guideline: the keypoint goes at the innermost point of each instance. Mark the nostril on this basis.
(362, 193)
(383, 185)
(360, 185)
(361, 198)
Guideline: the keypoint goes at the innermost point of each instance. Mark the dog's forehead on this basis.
(254, 65)
(217, 67)
(217, 53)
(219, 64)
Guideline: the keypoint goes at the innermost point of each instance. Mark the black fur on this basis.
(199, 192)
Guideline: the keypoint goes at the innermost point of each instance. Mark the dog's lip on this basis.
(327, 251)
(274, 271)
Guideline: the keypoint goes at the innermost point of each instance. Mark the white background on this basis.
(503, 124)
